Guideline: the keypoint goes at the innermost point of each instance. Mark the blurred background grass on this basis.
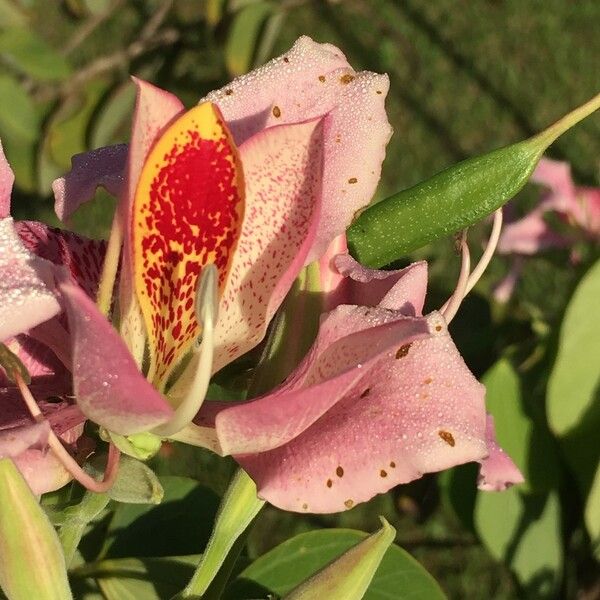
(466, 77)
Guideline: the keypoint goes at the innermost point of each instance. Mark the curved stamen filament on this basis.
(451, 307)
(490, 248)
(68, 462)
(206, 312)
(464, 286)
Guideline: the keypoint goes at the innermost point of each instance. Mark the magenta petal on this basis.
(556, 176)
(82, 257)
(26, 298)
(278, 418)
(106, 382)
(7, 179)
(102, 167)
(497, 472)
(282, 169)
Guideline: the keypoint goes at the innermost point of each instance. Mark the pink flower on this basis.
(576, 206)
(382, 397)
(196, 211)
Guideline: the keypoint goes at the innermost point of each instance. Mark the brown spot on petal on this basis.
(382, 473)
(286, 59)
(339, 472)
(276, 112)
(438, 327)
(447, 437)
(305, 506)
(402, 351)
(379, 91)
(349, 503)
(427, 381)
(347, 78)
(352, 180)
(392, 464)
(329, 483)
(365, 393)
(322, 78)
(228, 92)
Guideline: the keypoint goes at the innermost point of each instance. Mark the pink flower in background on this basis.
(576, 206)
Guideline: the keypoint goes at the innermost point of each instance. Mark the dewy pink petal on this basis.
(107, 384)
(26, 298)
(89, 170)
(7, 179)
(497, 472)
(278, 418)
(415, 411)
(282, 170)
(312, 80)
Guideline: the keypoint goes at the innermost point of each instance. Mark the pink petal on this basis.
(412, 412)
(42, 470)
(529, 235)
(497, 472)
(106, 382)
(282, 169)
(15, 440)
(102, 167)
(81, 256)
(154, 110)
(556, 176)
(276, 419)
(7, 179)
(586, 211)
(504, 290)
(26, 298)
(403, 290)
(309, 81)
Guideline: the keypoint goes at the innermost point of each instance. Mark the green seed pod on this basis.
(32, 564)
(452, 199)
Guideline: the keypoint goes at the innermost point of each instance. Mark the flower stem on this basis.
(451, 307)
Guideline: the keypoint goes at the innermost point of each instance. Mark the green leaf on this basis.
(451, 200)
(575, 379)
(140, 578)
(18, 117)
(11, 15)
(136, 483)
(31, 560)
(524, 532)
(112, 117)
(243, 35)
(592, 509)
(239, 507)
(282, 569)
(181, 524)
(28, 53)
(12, 365)
(213, 11)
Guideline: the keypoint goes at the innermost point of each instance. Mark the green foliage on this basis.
(575, 380)
(283, 568)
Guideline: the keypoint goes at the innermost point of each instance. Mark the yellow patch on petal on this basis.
(187, 213)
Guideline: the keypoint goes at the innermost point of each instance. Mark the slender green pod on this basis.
(452, 199)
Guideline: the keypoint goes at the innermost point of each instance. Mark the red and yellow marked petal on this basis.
(187, 213)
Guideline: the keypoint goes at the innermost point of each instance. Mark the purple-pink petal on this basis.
(107, 384)
(26, 297)
(7, 179)
(101, 167)
(497, 472)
